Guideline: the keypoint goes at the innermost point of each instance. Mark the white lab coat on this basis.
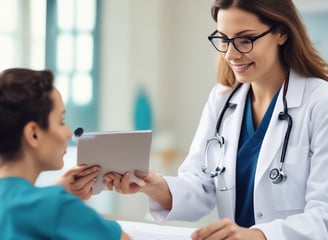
(294, 210)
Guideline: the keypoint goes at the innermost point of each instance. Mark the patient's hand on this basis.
(79, 180)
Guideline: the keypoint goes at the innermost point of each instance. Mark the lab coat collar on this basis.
(295, 89)
(273, 139)
(294, 92)
(230, 128)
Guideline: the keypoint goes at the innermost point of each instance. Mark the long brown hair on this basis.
(298, 52)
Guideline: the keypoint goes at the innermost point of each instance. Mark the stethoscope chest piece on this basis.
(277, 176)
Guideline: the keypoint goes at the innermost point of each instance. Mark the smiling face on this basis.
(53, 141)
(263, 63)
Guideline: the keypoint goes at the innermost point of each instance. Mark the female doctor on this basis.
(260, 153)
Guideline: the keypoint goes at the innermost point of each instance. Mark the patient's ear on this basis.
(30, 134)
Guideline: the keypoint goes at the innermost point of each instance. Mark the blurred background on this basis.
(125, 65)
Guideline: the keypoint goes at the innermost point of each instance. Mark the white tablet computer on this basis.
(115, 152)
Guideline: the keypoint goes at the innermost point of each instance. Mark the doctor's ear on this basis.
(283, 36)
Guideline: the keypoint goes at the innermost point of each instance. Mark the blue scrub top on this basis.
(250, 142)
(30, 213)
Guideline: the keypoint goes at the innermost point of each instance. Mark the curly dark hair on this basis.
(24, 97)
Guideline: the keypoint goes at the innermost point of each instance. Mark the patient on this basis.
(33, 138)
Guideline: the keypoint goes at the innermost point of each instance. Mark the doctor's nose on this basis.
(232, 53)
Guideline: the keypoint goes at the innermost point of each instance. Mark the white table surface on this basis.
(150, 231)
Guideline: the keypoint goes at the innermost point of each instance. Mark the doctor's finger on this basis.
(215, 230)
(207, 234)
(140, 174)
(125, 183)
(201, 234)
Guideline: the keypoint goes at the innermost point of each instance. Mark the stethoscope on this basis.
(276, 175)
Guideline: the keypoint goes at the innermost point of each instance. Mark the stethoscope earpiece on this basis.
(277, 176)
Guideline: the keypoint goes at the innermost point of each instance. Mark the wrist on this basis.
(157, 189)
(153, 182)
(258, 234)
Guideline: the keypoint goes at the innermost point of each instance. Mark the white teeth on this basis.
(241, 66)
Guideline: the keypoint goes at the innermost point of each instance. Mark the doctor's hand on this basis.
(79, 180)
(227, 229)
(123, 184)
(151, 184)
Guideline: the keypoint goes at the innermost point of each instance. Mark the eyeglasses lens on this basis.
(243, 45)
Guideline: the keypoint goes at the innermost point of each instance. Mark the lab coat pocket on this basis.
(290, 194)
(224, 197)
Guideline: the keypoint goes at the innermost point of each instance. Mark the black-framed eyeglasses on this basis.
(241, 44)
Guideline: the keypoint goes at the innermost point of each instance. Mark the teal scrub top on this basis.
(28, 212)
(250, 142)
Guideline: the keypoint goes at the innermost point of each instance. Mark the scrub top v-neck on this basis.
(250, 142)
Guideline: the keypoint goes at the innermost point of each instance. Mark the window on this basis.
(8, 32)
(22, 33)
(71, 47)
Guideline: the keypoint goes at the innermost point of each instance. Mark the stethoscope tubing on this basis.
(276, 175)
(225, 107)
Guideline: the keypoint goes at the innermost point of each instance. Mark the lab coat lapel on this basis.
(230, 130)
(274, 137)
